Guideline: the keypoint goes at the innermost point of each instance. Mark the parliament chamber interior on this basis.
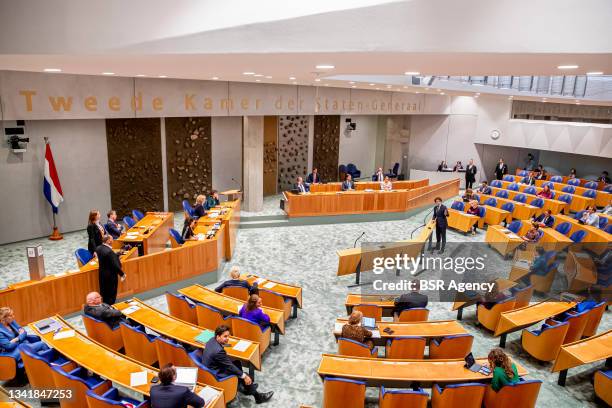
(341, 204)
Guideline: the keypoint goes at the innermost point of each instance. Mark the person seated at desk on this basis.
(348, 183)
(504, 370)
(604, 177)
(113, 228)
(212, 200)
(251, 311)
(166, 394)
(474, 209)
(545, 192)
(484, 188)
(540, 173)
(442, 166)
(379, 175)
(539, 267)
(608, 208)
(386, 185)
(545, 219)
(215, 358)
(12, 336)
(101, 311)
(572, 174)
(458, 166)
(533, 235)
(353, 330)
(313, 178)
(410, 300)
(467, 196)
(236, 281)
(300, 186)
(188, 234)
(590, 217)
(95, 231)
(493, 297)
(198, 208)
(530, 179)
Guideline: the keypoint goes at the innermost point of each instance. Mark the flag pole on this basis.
(55, 235)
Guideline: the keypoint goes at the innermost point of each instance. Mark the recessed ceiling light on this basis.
(378, 89)
(476, 96)
(317, 79)
(292, 78)
(567, 66)
(326, 84)
(405, 87)
(389, 86)
(108, 73)
(411, 73)
(163, 76)
(577, 103)
(258, 75)
(372, 84)
(417, 92)
(52, 70)
(215, 78)
(325, 66)
(595, 73)
(441, 93)
(141, 75)
(268, 77)
(258, 80)
(477, 84)
(248, 73)
(354, 86)
(352, 82)
(427, 89)
(295, 83)
(477, 93)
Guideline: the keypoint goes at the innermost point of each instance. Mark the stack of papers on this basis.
(269, 285)
(138, 378)
(208, 394)
(513, 235)
(338, 327)
(64, 334)
(242, 345)
(204, 336)
(375, 334)
(130, 310)
(186, 376)
(505, 231)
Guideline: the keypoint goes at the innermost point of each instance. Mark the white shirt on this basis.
(591, 219)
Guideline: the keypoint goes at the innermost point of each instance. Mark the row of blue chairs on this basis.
(592, 185)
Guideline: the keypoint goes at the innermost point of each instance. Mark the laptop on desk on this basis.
(368, 322)
(470, 364)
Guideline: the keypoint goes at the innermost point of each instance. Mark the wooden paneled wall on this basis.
(326, 146)
(134, 164)
(189, 159)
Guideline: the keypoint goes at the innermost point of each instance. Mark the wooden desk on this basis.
(7, 402)
(151, 233)
(429, 329)
(231, 306)
(502, 239)
(229, 216)
(602, 198)
(378, 372)
(593, 234)
(386, 302)
(460, 220)
(362, 201)
(521, 211)
(185, 332)
(356, 260)
(518, 319)
(578, 201)
(581, 352)
(552, 240)
(580, 271)
(105, 362)
(555, 206)
(93, 264)
(462, 302)
(289, 291)
(232, 195)
(369, 185)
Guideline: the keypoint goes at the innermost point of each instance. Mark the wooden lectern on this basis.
(231, 194)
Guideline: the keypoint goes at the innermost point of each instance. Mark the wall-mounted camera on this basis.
(350, 127)
(15, 137)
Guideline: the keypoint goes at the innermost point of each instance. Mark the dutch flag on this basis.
(51, 185)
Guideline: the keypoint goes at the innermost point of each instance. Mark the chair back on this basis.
(181, 308)
(569, 189)
(102, 333)
(566, 198)
(573, 182)
(457, 205)
(170, 352)
(229, 384)
(246, 329)
(544, 344)
(482, 211)
(491, 201)
(188, 208)
(591, 185)
(456, 346)
(406, 347)
(508, 207)
(496, 183)
(415, 314)
(564, 228)
(342, 392)
(373, 311)
(458, 395)
(489, 317)
(523, 173)
(549, 184)
(523, 297)
(556, 179)
(603, 221)
(515, 226)
(208, 317)
(502, 194)
(513, 187)
(71, 381)
(38, 367)
(607, 188)
(595, 315)
(353, 348)
(520, 198)
(537, 202)
(476, 197)
(522, 394)
(175, 238)
(111, 399)
(237, 292)
(82, 256)
(276, 301)
(577, 324)
(402, 398)
(137, 344)
(530, 190)
(603, 386)
(129, 221)
(508, 177)
(578, 236)
(137, 215)
(608, 228)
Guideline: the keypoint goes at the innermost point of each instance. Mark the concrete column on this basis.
(252, 148)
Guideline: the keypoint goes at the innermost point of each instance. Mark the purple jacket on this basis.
(255, 316)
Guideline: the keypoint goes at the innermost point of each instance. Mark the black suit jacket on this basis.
(110, 269)
(348, 185)
(113, 229)
(499, 173)
(94, 237)
(550, 221)
(174, 396)
(104, 312)
(440, 216)
(409, 301)
(240, 283)
(215, 358)
(312, 179)
(470, 173)
(297, 187)
(199, 210)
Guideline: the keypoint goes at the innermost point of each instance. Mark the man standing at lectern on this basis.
(440, 213)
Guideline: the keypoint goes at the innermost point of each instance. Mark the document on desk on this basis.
(338, 327)
(208, 394)
(375, 334)
(269, 285)
(138, 378)
(259, 281)
(242, 345)
(64, 334)
(513, 236)
(130, 310)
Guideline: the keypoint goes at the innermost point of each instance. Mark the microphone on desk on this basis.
(424, 223)
(237, 182)
(358, 238)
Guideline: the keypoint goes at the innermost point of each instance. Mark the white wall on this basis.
(588, 167)
(80, 154)
(226, 147)
(359, 147)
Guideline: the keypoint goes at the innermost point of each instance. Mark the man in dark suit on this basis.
(101, 311)
(236, 281)
(215, 358)
(300, 186)
(109, 270)
(545, 219)
(169, 395)
(112, 227)
(530, 179)
(313, 178)
(484, 188)
(410, 300)
(440, 213)
(348, 183)
(470, 174)
(501, 169)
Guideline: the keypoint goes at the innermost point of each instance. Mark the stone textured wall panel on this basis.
(292, 150)
(326, 146)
